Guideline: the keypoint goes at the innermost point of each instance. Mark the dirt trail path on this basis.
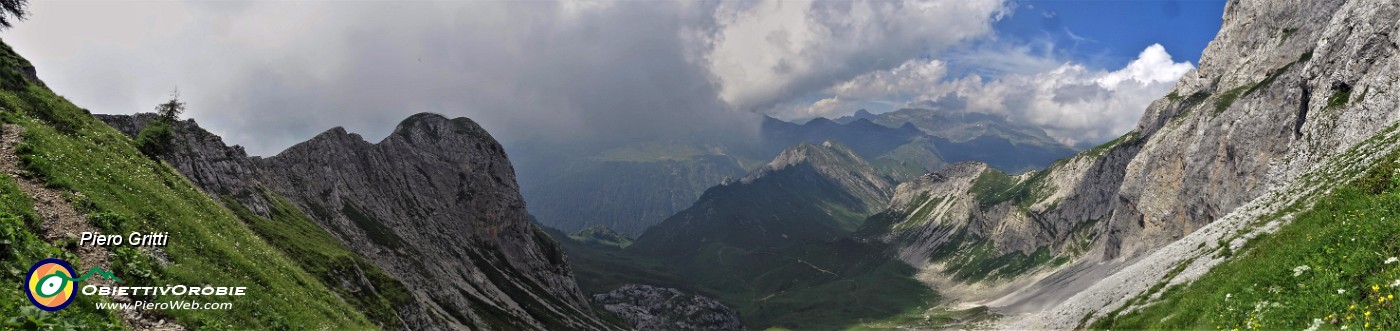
(62, 222)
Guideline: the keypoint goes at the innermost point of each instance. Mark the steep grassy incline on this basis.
(808, 192)
(123, 191)
(19, 247)
(366, 287)
(1336, 265)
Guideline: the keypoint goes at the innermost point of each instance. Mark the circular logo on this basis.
(49, 284)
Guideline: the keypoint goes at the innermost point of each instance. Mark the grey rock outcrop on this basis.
(435, 204)
(658, 308)
(204, 159)
(1285, 87)
(838, 164)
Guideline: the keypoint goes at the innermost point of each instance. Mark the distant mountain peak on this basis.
(336, 131)
(821, 121)
(336, 138)
(860, 114)
(909, 126)
(834, 162)
(436, 125)
(827, 153)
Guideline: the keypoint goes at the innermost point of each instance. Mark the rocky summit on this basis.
(435, 204)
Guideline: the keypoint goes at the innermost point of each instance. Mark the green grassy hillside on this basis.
(19, 248)
(602, 236)
(816, 285)
(774, 247)
(369, 289)
(71, 151)
(1336, 266)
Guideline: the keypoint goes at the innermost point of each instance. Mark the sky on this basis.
(267, 75)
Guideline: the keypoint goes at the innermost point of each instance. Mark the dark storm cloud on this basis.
(269, 74)
(528, 72)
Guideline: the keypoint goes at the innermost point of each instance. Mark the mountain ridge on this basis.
(452, 178)
(828, 175)
(630, 188)
(1270, 107)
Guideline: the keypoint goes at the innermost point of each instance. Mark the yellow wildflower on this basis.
(1353, 306)
(1375, 288)
(1368, 314)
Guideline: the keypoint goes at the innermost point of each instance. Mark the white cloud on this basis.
(268, 74)
(828, 107)
(1153, 65)
(766, 52)
(1077, 105)
(912, 77)
(1073, 103)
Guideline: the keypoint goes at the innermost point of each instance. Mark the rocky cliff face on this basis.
(203, 157)
(1284, 88)
(837, 164)
(659, 308)
(435, 204)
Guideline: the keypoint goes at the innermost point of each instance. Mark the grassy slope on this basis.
(19, 247)
(1328, 265)
(602, 236)
(789, 288)
(75, 152)
(602, 269)
(315, 250)
(856, 282)
(784, 207)
(775, 249)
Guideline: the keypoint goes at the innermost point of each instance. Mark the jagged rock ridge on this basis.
(435, 204)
